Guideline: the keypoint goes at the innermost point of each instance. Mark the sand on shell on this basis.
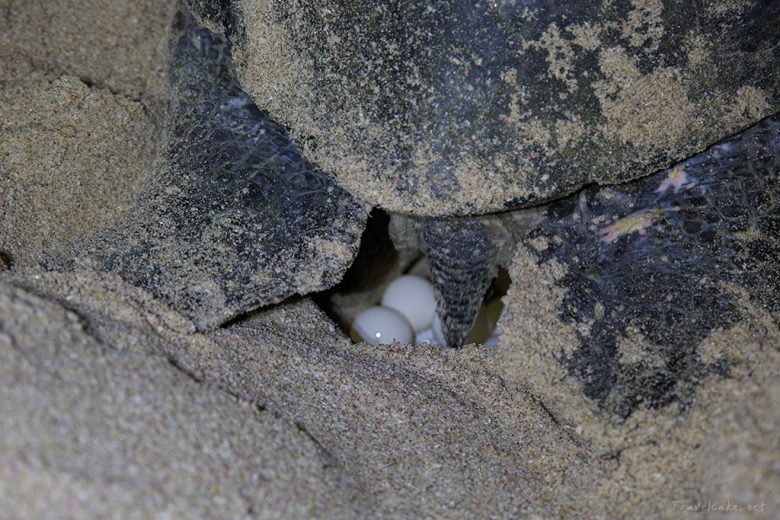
(575, 92)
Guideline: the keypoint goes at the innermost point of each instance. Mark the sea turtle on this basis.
(476, 124)
(456, 115)
(484, 128)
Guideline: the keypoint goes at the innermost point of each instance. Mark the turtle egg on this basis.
(425, 337)
(413, 297)
(382, 326)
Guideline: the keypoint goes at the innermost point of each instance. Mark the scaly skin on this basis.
(463, 257)
(462, 262)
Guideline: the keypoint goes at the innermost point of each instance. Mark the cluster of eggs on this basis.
(407, 314)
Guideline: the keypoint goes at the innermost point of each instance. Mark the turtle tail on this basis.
(461, 259)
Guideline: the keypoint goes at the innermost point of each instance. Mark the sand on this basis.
(73, 159)
(118, 45)
(112, 404)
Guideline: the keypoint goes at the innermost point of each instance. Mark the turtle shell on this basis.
(460, 108)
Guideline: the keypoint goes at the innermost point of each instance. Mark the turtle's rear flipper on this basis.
(461, 259)
(651, 269)
(234, 217)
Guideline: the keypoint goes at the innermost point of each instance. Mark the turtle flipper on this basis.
(234, 216)
(461, 258)
(671, 259)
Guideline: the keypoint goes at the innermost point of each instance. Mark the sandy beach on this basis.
(116, 403)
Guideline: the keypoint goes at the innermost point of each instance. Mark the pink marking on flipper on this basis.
(635, 222)
(676, 179)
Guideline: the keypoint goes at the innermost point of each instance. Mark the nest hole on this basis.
(377, 264)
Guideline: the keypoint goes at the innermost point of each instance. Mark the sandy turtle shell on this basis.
(448, 108)
(236, 217)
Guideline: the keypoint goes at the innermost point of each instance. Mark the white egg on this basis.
(413, 297)
(425, 337)
(437, 332)
(382, 326)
